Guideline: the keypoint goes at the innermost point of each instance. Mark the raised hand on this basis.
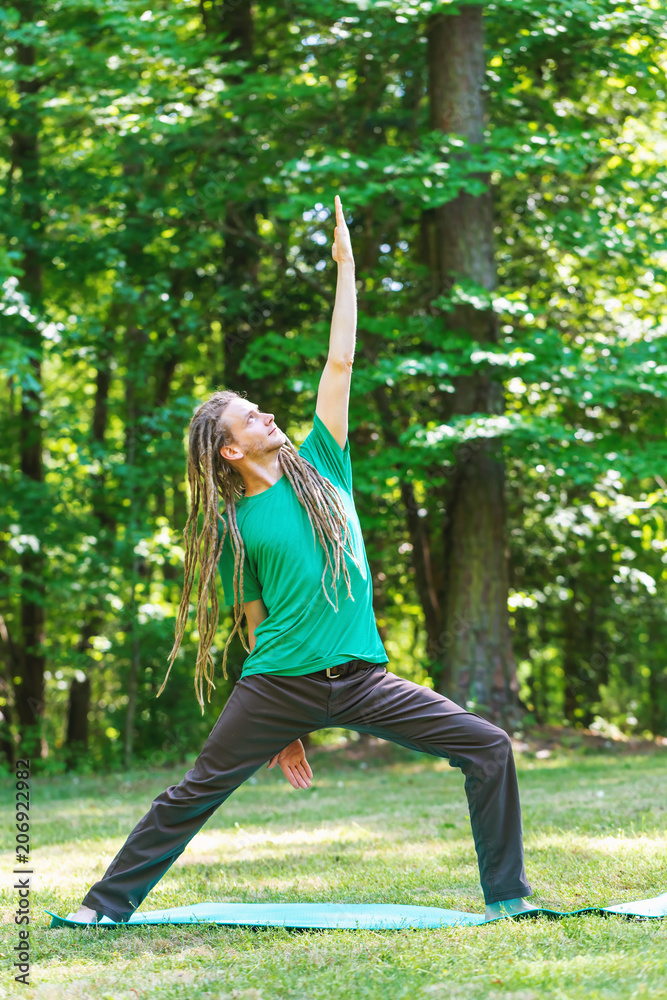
(341, 251)
(294, 765)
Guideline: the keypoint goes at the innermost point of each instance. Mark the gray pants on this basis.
(266, 712)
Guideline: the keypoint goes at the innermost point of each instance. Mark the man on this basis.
(316, 658)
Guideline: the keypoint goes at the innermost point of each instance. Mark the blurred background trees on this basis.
(167, 182)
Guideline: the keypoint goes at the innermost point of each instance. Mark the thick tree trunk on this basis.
(29, 692)
(471, 639)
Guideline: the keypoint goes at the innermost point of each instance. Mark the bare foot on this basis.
(507, 908)
(85, 915)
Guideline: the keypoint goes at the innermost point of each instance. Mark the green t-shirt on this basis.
(284, 564)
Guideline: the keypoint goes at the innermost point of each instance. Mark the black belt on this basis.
(343, 669)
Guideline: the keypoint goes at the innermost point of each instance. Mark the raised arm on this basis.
(333, 397)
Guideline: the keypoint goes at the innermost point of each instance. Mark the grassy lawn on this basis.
(392, 827)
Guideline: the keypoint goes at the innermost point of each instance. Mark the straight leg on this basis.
(392, 708)
(262, 716)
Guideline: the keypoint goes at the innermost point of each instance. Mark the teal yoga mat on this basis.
(347, 916)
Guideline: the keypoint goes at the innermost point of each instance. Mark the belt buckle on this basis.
(329, 669)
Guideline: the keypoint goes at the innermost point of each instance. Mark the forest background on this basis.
(167, 182)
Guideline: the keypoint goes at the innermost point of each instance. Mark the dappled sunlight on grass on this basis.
(618, 845)
(299, 837)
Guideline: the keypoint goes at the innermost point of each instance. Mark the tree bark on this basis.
(79, 696)
(77, 721)
(7, 671)
(136, 342)
(470, 636)
(585, 655)
(29, 692)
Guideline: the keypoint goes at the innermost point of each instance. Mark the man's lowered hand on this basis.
(294, 765)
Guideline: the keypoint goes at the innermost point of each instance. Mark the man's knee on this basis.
(491, 755)
(496, 751)
(499, 738)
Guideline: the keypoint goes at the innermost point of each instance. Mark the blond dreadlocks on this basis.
(211, 477)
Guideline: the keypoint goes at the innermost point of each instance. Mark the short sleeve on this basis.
(323, 451)
(251, 587)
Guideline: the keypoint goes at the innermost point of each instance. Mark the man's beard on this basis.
(259, 448)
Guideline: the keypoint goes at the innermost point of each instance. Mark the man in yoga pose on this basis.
(315, 660)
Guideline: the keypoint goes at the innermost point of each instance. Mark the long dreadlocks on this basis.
(212, 478)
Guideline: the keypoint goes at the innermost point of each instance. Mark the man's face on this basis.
(255, 432)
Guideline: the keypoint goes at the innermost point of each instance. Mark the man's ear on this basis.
(231, 452)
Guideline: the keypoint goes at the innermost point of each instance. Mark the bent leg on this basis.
(262, 716)
(392, 708)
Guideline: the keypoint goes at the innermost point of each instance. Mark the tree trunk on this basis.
(7, 671)
(473, 641)
(79, 697)
(136, 343)
(76, 742)
(585, 661)
(29, 692)
(133, 677)
(234, 25)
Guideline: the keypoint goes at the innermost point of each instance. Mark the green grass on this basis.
(392, 828)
